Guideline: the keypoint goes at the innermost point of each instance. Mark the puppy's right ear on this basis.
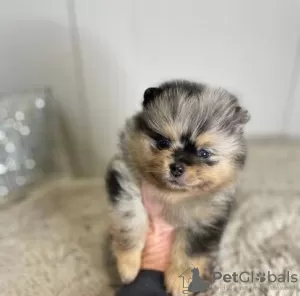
(150, 94)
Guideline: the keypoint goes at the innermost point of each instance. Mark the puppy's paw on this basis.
(177, 280)
(128, 263)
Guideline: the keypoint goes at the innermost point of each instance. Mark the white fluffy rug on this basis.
(52, 243)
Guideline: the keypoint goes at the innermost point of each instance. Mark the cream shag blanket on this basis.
(53, 242)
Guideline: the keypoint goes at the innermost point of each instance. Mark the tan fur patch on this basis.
(203, 264)
(181, 264)
(174, 281)
(209, 178)
(206, 140)
(152, 165)
(128, 263)
(171, 132)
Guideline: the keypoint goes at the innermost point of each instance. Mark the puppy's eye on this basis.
(203, 153)
(163, 144)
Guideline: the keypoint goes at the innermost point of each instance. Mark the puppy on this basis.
(188, 143)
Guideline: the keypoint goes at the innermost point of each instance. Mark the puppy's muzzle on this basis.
(177, 169)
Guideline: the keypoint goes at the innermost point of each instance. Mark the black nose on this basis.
(177, 169)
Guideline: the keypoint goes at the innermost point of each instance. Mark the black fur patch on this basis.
(189, 145)
(181, 156)
(128, 215)
(113, 185)
(125, 230)
(209, 238)
(150, 94)
(185, 138)
(188, 156)
(142, 125)
(210, 162)
(240, 159)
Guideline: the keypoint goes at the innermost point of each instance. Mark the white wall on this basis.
(247, 46)
(292, 111)
(100, 55)
(107, 44)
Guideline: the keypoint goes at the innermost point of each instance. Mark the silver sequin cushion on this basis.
(27, 139)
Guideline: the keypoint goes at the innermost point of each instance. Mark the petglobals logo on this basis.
(252, 277)
(197, 284)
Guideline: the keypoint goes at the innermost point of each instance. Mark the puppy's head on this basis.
(188, 136)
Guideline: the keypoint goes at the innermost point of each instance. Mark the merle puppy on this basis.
(188, 143)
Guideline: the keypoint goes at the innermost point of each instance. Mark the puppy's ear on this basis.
(150, 94)
(241, 115)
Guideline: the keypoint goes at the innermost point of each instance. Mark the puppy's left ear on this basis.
(241, 117)
(150, 94)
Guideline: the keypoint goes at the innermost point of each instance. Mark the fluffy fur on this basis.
(188, 142)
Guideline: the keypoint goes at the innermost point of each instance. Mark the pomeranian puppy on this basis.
(188, 143)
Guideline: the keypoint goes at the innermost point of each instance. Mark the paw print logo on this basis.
(260, 276)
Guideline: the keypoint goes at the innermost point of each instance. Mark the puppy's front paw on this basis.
(177, 280)
(128, 263)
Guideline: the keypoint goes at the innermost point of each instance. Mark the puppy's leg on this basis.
(129, 220)
(179, 272)
(193, 248)
(129, 229)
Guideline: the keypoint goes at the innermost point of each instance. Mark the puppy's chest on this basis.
(190, 213)
(179, 210)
